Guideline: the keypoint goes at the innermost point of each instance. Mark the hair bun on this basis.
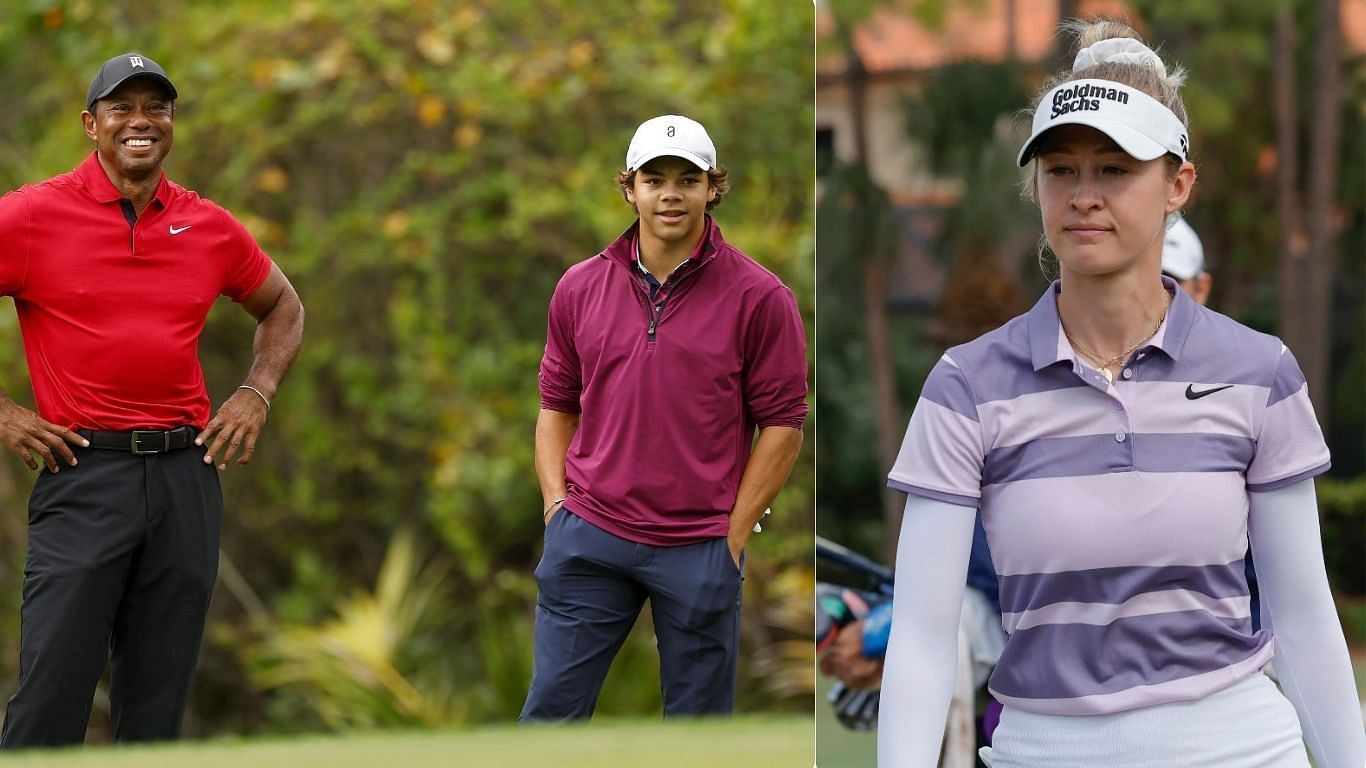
(1118, 50)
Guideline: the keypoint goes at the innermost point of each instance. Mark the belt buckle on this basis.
(139, 451)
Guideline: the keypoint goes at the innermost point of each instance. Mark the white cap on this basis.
(672, 135)
(1182, 255)
(1137, 122)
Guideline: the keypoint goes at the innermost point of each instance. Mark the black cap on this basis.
(121, 68)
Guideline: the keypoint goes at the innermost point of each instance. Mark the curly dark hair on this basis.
(716, 177)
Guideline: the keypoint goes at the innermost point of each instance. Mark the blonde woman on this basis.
(1125, 445)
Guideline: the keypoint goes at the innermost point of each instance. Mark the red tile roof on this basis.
(891, 41)
(1353, 16)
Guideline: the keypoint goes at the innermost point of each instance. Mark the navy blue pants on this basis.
(592, 586)
(122, 557)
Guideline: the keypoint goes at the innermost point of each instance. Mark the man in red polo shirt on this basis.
(666, 352)
(113, 269)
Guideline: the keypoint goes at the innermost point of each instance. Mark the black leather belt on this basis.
(141, 441)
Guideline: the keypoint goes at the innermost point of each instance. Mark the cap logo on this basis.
(1084, 97)
(135, 61)
(672, 136)
(1141, 125)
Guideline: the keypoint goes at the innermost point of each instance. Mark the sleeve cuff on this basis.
(257, 280)
(1291, 480)
(794, 422)
(951, 498)
(561, 406)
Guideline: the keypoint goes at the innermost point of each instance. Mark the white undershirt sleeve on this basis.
(1311, 660)
(922, 651)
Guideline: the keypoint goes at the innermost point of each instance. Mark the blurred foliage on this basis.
(777, 631)
(958, 111)
(848, 446)
(424, 171)
(369, 665)
(964, 119)
(1342, 515)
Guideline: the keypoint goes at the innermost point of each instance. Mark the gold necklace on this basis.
(1106, 362)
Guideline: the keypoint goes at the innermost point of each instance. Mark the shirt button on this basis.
(1119, 437)
(1128, 373)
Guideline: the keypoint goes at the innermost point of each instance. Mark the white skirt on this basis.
(1247, 725)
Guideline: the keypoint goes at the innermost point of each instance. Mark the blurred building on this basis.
(896, 56)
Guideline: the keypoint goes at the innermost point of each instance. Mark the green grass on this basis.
(753, 742)
(837, 746)
(1358, 655)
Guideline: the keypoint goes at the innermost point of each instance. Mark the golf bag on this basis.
(838, 606)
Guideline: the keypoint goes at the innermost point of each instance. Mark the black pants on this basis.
(123, 553)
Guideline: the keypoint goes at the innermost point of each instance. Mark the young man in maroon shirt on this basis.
(113, 269)
(665, 353)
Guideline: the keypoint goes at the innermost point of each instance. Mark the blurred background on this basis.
(925, 242)
(423, 171)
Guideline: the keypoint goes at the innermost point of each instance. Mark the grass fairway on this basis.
(837, 746)
(753, 742)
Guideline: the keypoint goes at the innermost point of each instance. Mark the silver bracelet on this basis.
(258, 394)
(552, 506)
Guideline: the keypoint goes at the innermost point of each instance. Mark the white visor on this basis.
(1137, 122)
(1182, 255)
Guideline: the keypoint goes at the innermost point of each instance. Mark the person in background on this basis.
(1183, 260)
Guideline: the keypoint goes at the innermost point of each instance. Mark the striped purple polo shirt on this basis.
(1116, 514)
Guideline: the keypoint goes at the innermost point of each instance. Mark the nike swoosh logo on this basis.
(1191, 394)
(176, 231)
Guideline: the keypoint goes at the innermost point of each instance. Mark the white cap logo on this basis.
(135, 61)
(674, 136)
(1141, 125)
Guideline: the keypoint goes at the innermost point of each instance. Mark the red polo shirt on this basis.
(111, 313)
(667, 418)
